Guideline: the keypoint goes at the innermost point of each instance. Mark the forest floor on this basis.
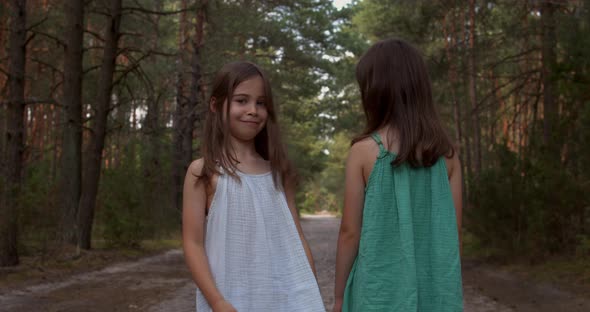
(161, 282)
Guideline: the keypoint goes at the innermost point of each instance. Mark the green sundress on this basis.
(408, 257)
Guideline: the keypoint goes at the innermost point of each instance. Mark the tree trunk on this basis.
(152, 168)
(186, 116)
(14, 136)
(70, 176)
(93, 162)
(3, 31)
(476, 131)
(501, 107)
(195, 88)
(550, 113)
(56, 135)
(181, 118)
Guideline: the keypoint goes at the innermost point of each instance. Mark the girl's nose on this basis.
(253, 109)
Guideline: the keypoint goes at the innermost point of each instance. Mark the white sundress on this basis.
(255, 254)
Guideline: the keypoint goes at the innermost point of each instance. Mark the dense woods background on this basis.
(101, 105)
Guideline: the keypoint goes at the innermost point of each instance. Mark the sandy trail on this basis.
(162, 283)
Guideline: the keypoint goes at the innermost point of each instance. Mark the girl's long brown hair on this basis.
(216, 146)
(396, 92)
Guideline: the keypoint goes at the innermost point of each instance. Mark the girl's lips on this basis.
(252, 122)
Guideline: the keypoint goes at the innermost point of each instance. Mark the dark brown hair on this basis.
(216, 146)
(396, 92)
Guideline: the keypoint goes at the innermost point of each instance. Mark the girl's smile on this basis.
(251, 122)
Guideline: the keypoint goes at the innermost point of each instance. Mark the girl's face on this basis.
(247, 109)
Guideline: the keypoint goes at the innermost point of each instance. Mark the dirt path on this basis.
(322, 232)
(134, 286)
(521, 295)
(161, 283)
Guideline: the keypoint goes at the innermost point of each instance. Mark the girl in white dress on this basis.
(241, 234)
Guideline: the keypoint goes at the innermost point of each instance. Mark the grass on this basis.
(569, 272)
(58, 262)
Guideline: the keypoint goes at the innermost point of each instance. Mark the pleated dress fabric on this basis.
(254, 250)
(408, 258)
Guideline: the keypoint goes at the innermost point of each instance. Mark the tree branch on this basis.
(52, 37)
(139, 8)
(131, 68)
(2, 71)
(38, 23)
(95, 34)
(510, 57)
(89, 69)
(32, 101)
(149, 52)
(93, 48)
(30, 38)
(36, 60)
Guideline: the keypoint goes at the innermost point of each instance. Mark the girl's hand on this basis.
(337, 305)
(223, 306)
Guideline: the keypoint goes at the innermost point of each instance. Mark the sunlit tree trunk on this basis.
(466, 129)
(450, 43)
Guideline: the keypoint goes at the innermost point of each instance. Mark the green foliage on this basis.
(499, 204)
(522, 203)
(132, 206)
(527, 207)
(120, 220)
(318, 199)
(289, 40)
(326, 191)
(38, 216)
(583, 249)
(526, 201)
(378, 19)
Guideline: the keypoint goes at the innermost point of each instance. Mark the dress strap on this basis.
(377, 139)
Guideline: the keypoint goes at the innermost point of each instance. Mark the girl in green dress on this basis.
(399, 242)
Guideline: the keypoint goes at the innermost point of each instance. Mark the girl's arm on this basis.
(194, 203)
(290, 195)
(350, 226)
(455, 180)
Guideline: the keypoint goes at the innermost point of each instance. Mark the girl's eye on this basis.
(240, 101)
(260, 103)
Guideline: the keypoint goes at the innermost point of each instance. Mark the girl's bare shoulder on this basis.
(196, 167)
(364, 145)
(195, 174)
(365, 150)
(453, 163)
